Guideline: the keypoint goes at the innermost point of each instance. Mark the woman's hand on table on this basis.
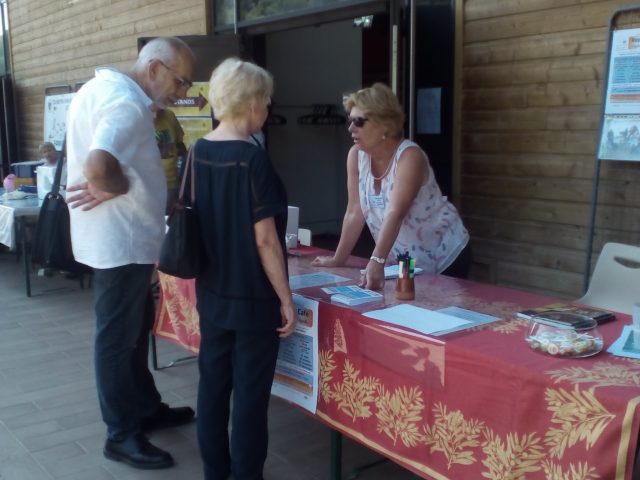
(289, 319)
(373, 277)
(326, 261)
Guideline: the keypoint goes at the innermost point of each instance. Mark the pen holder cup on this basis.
(405, 289)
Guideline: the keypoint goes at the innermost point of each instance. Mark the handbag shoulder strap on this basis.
(189, 171)
(55, 188)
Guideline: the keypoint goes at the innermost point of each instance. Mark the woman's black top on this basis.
(236, 186)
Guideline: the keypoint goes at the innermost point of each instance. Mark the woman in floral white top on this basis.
(393, 190)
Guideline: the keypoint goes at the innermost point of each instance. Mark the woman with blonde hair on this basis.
(392, 188)
(243, 295)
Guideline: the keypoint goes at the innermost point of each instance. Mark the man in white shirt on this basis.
(117, 193)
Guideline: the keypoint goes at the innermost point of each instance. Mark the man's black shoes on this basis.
(166, 417)
(138, 452)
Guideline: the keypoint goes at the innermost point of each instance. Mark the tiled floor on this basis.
(50, 426)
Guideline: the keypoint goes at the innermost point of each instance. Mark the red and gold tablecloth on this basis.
(470, 405)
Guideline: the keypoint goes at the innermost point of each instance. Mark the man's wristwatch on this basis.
(379, 260)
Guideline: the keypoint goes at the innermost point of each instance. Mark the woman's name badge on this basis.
(376, 201)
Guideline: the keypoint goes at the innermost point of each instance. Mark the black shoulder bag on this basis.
(52, 242)
(182, 252)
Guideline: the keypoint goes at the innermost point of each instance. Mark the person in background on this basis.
(243, 295)
(50, 159)
(391, 187)
(169, 135)
(49, 154)
(117, 196)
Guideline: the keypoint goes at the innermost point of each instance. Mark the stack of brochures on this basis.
(352, 295)
(600, 316)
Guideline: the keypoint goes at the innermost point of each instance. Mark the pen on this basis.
(403, 265)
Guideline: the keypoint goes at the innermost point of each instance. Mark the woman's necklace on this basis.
(386, 172)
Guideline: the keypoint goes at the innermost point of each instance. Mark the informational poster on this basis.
(296, 377)
(195, 103)
(55, 118)
(620, 139)
(194, 113)
(429, 105)
(194, 128)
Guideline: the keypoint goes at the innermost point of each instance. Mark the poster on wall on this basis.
(620, 137)
(193, 112)
(194, 128)
(429, 106)
(55, 118)
(195, 103)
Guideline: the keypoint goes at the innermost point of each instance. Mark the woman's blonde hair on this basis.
(234, 85)
(378, 104)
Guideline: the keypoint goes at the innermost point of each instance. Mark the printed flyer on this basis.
(296, 377)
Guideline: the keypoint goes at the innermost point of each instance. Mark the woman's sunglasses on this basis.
(357, 121)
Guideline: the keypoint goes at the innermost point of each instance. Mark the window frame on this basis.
(5, 64)
(301, 17)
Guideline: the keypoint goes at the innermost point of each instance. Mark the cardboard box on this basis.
(19, 182)
(26, 170)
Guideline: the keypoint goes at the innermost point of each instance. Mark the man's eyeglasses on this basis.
(357, 121)
(182, 82)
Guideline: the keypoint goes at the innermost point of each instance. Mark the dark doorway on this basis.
(376, 51)
(434, 81)
(8, 131)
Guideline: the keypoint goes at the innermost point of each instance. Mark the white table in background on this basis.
(13, 217)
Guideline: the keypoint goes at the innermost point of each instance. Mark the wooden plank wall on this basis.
(532, 90)
(62, 41)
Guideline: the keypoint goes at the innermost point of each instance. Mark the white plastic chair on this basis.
(615, 283)
(304, 237)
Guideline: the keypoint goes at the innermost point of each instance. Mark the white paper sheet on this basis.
(475, 318)
(417, 318)
(314, 279)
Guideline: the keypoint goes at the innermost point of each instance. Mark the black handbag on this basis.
(182, 254)
(52, 241)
